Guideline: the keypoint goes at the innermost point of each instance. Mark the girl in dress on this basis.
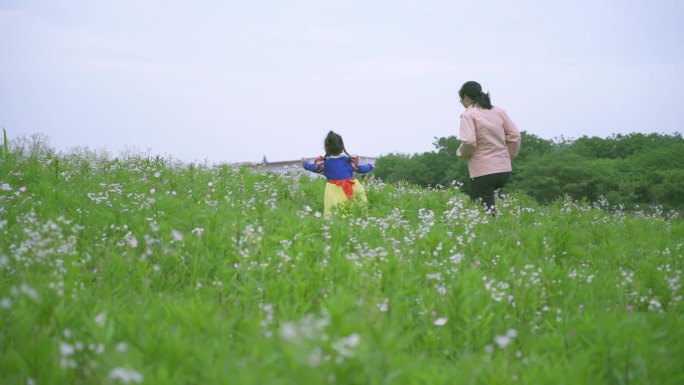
(339, 168)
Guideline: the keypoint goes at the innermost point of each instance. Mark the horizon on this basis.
(28, 138)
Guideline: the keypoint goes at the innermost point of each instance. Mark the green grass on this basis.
(143, 269)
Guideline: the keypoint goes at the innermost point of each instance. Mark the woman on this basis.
(489, 141)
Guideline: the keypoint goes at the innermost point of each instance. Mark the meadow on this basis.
(141, 269)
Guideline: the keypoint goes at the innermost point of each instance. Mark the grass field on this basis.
(144, 270)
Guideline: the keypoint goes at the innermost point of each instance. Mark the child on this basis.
(339, 170)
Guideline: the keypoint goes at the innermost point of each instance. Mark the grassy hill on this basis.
(144, 270)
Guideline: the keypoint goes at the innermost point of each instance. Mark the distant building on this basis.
(294, 165)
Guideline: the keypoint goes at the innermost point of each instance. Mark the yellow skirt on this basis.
(334, 196)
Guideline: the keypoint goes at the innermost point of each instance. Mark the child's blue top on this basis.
(337, 167)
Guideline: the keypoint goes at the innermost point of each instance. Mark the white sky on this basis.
(237, 80)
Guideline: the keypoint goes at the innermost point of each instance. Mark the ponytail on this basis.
(345, 151)
(484, 101)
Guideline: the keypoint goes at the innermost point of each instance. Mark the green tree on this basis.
(627, 169)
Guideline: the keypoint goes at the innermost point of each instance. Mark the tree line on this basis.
(629, 170)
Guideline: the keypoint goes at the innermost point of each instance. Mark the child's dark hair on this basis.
(334, 145)
(473, 90)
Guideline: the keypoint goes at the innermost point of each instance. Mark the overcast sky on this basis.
(237, 80)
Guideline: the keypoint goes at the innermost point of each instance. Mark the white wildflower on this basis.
(315, 358)
(654, 305)
(383, 306)
(29, 291)
(441, 321)
(308, 328)
(130, 239)
(502, 341)
(346, 345)
(100, 319)
(288, 331)
(65, 349)
(505, 340)
(126, 376)
(177, 235)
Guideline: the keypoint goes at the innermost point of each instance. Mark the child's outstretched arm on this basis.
(316, 166)
(364, 168)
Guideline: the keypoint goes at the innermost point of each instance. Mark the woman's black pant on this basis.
(483, 187)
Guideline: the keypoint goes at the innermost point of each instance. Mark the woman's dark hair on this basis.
(334, 145)
(473, 90)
